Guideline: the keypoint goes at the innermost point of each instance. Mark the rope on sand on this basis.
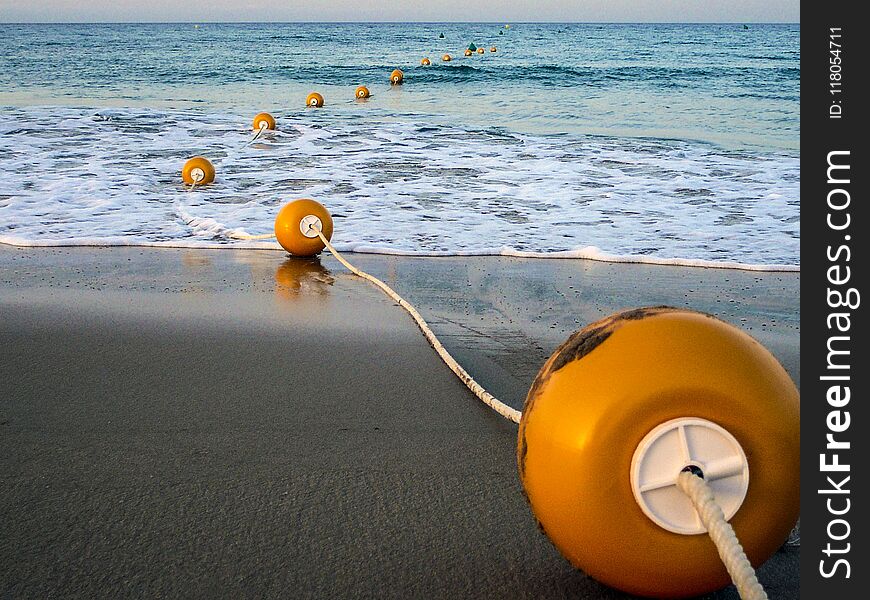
(494, 403)
(722, 534)
(478, 390)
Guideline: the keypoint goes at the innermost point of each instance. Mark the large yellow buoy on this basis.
(362, 92)
(297, 224)
(198, 170)
(264, 121)
(396, 77)
(314, 99)
(493, 49)
(425, 62)
(467, 52)
(446, 58)
(624, 406)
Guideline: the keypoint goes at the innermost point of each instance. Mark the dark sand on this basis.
(189, 423)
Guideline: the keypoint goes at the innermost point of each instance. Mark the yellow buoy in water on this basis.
(198, 170)
(264, 121)
(297, 224)
(425, 62)
(446, 58)
(396, 77)
(480, 50)
(314, 99)
(493, 49)
(362, 92)
(623, 407)
(467, 52)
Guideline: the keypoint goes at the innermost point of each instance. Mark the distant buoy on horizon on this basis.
(493, 49)
(397, 77)
(446, 58)
(198, 170)
(264, 121)
(425, 62)
(441, 36)
(314, 99)
(362, 92)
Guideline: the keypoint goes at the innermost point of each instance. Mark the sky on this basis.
(740, 11)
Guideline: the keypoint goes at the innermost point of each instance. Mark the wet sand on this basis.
(231, 423)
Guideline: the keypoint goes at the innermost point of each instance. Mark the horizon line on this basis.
(399, 22)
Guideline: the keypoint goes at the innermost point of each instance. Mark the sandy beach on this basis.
(201, 423)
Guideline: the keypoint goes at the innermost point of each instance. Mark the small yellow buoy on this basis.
(467, 52)
(396, 77)
(425, 62)
(264, 121)
(297, 224)
(480, 50)
(493, 49)
(446, 58)
(314, 99)
(362, 92)
(624, 406)
(198, 170)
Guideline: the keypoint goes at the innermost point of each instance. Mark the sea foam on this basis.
(77, 176)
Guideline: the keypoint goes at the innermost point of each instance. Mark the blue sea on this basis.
(629, 142)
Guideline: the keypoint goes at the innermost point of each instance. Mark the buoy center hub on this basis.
(687, 444)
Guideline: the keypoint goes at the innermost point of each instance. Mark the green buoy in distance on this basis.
(472, 47)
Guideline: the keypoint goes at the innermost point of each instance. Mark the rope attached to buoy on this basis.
(263, 128)
(245, 236)
(478, 390)
(722, 534)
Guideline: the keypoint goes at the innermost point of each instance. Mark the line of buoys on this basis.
(425, 62)
(397, 77)
(362, 92)
(314, 99)
(197, 171)
(264, 121)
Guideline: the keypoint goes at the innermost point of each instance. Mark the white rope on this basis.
(722, 534)
(263, 128)
(494, 403)
(245, 236)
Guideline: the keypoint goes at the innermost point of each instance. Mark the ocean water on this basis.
(657, 143)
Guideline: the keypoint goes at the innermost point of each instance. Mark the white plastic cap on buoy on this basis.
(673, 447)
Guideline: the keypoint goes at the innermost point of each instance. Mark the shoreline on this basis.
(590, 253)
(188, 422)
